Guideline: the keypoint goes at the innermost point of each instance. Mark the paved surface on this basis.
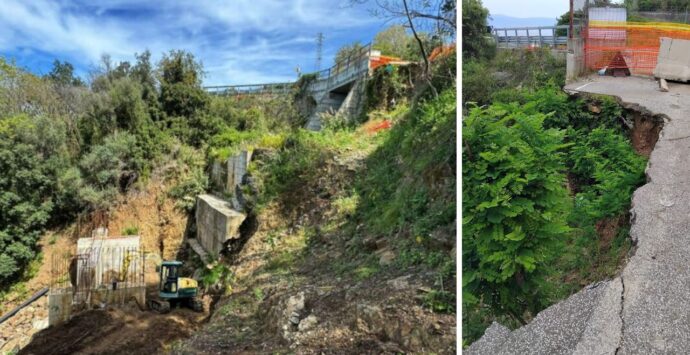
(646, 310)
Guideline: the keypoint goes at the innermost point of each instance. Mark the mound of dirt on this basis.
(115, 331)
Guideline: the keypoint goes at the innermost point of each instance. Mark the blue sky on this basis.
(238, 41)
(527, 8)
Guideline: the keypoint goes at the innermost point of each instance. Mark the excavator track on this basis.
(159, 306)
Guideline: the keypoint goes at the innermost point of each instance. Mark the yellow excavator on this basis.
(174, 290)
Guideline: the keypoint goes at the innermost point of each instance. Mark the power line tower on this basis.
(319, 48)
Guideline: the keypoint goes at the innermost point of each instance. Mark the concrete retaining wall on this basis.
(61, 303)
(120, 296)
(59, 307)
(575, 59)
(352, 105)
(216, 223)
(227, 175)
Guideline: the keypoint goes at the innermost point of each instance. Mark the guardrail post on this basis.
(541, 39)
(517, 38)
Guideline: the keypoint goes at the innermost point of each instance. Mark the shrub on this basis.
(514, 207)
(607, 169)
(131, 230)
(477, 82)
(104, 167)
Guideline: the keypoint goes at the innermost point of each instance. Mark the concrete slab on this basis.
(644, 311)
(673, 61)
(217, 222)
(558, 329)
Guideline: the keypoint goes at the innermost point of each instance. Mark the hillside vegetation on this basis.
(364, 207)
(67, 149)
(351, 218)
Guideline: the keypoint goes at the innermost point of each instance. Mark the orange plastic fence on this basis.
(382, 60)
(441, 51)
(638, 43)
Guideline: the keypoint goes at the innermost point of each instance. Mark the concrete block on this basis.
(663, 85)
(216, 222)
(673, 62)
(59, 307)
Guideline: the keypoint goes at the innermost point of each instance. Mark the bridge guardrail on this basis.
(338, 74)
(250, 89)
(511, 37)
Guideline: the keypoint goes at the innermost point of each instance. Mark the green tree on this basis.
(348, 52)
(475, 38)
(180, 79)
(33, 156)
(393, 41)
(63, 74)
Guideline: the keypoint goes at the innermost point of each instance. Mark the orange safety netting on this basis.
(637, 42)
(382, 60)
(441, 51)
(374, 126)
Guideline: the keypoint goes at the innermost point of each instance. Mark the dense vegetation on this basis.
(69, 148)
(544, 174)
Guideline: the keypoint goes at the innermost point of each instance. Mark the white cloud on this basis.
(236, 40)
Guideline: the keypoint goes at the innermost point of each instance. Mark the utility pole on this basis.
(319, 48)
(570, 33)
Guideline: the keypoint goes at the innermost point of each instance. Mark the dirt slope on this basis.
(161, 227)
(298, 290)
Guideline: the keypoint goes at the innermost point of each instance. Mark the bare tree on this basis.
(439, 16)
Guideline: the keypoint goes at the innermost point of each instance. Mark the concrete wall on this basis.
(59, 306)
(102, 258)
(575, 59)
(227, 175)
(217, 222)
(120, 296)
(61, 303)
(352, 105)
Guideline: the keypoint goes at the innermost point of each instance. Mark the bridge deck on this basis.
(340, 74)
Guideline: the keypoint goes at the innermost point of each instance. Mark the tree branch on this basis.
(416, 37)
(416, 14)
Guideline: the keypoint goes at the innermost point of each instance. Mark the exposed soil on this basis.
(607, 229)
(645, 133)
(115, 331)
(296, 269)
(161, 227)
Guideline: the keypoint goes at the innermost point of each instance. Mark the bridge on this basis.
(335, 90)
(251, 89)
(541, 36)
